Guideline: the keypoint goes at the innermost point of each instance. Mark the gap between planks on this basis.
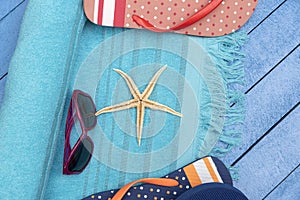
(265, 134)
(2, 77)
(266, 74)
(281, 181)
(12, 10)
(271, 69)
(266, 17)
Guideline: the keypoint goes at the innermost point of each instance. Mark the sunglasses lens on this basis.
(81, 156)
(87, 110)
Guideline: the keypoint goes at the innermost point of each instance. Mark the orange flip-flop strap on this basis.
(193, 19)
(155, 181)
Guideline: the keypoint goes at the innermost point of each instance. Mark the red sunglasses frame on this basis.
(68, 152)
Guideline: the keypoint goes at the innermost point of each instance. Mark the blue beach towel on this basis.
(59, 50)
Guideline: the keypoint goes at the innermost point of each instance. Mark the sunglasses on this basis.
(83, 109)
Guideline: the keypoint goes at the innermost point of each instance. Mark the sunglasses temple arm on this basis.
(69, 124)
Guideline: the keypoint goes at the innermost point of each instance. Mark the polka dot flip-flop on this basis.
(213, 191)
(204, 170)
(193, 17)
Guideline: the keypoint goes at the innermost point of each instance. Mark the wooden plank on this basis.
(257, 124)
(7, 6)
(271, 159)
(267, 54)
(289, 189)
(272, 41)
(2, 86)
(268, 102)
(9, 29)
(262, 10)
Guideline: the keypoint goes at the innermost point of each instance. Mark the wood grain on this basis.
(268, 102)
(289, 187)
(9, 29)
(8, 7)
(271, 159)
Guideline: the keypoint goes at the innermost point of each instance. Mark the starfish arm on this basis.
(140, 121)
(147, 92)
(118, 107)
(130, 83)
(157, 106)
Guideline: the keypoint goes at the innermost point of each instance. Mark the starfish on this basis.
(140, 101)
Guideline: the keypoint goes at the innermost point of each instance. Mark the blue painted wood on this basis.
(269, 101)
(263, 53)
(271, 159)
(289, 189)
(262, 10)
(7, 6)
(260, 60)
(9, 29)
(2, 87)
(271, 41)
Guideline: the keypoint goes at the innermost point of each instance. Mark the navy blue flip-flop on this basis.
(204, 170)
(213, 191)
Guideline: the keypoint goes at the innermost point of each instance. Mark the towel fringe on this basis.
(234, 172)
(225, 51)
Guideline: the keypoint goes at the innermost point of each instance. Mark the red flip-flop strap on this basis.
(191, 20)
(156, 181)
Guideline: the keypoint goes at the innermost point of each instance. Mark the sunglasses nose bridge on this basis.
(89, 115)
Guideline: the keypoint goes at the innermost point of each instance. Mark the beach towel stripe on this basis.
(202, 171)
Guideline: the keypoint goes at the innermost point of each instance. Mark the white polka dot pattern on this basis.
(204, 170)
(229, 16)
